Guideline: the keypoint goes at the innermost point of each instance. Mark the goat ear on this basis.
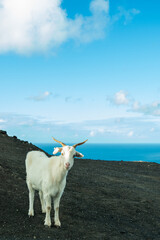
(57, 149)
(78, 154)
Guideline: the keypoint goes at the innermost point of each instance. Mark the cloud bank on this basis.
(40, 129)
(122, 98)
(147, 109)
(33, 25)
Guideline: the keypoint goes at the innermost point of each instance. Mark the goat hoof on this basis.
(57, 225)
(31, 213)
(48, 225)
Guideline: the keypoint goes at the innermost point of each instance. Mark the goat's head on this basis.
(68, 153)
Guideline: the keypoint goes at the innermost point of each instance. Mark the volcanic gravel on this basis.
(102, 200)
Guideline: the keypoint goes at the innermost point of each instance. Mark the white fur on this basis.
(48, 176)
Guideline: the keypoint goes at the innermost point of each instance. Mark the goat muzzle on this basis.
(67, 165)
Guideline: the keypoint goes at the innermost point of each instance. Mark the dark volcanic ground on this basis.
(102, 199)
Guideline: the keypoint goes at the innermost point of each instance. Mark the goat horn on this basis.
(59, 142)
(75, 145)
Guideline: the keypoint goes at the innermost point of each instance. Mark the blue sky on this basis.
(80, 69)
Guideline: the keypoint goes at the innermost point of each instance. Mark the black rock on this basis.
(3, 132)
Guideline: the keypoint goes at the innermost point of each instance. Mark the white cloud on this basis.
(147, 109)
(152, 129)
(136, 105)
(95, 130)
(92, 133)
(28, 26)
(2, 121)
(120, 98)
(155, 104)
(126, 15)
(130, 134)
(123, 98)
(33, 25)
(41, 97)
(97, 6)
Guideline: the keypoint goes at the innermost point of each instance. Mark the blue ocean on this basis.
(116, 152)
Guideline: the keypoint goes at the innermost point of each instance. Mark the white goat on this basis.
(48, 176)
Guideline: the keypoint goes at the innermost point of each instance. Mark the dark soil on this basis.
(102, 199)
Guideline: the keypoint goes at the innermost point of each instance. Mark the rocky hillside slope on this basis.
(102, 199)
